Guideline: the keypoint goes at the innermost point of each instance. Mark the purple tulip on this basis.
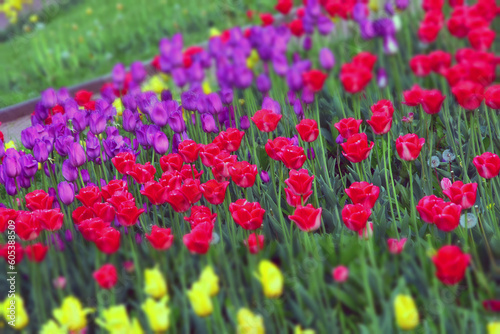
(80, 121)
(160, 143)
(226, 95)
(66, 192)
(310, 154)
(118, 75)
(129, 102)
(176, 122)
(326, 59)
(297, 109)
(390, 45)
(159, 114)
(280, 64)
(244, 122)
(166, 95)
(366, 29)
(85, 176)
(12, 167)
(270, 104)
(129, 120)
(40, 151)
(402, 4)
(264, 176)
(68, 235)
(93, 147)
(381, 78)
(29, 165)
(138, 71)
(325, 25)
(49, 98)
(307, 95)
(2, 149)
(263, 83)
(244, 78)
(389, 8)
(46, 169)
(76, 155)
(339, 139)
(10, 186)
(189, 100)
(23, 182)
(214, 103)
(62, 95)
(195, 72)
(294, 80)
(69, 172)
(146, 101)
(97, 123)
(208, 123)
(308, 42)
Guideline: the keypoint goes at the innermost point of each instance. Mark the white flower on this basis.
(471, 220)
(434, 162)
(448, 156)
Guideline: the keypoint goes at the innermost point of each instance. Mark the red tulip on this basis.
(105, 211)
(128, 215)
(314, 80)
(364, 59)
(231, 139)
(295, 200)
(284, 6)
(27, 227)
(36, 252)
(293, 157)
(223, 162)
(82, 97)
(348, 127)
(481, 38)
(432, 100)
(124, 162)
(354, 77)
(171, 162)
(340, 274)
(38, 200)
(355, 216)
(356, 148)
(89, 228)
(299, 182)
(189, 150)
(428, 29)
(308, 130)
(380, 123)
(171, 180)
(106, 276)
(82, 213)
(307, 218)
(468, 94)
(409, 146)
(217, 176)
(254, 243)
(492, 305)
(107, 240)
(178, 201)
(396, 246)
(450, 264)
(243, 174)
(425, 207)
(487, 165)
(248, 215)
(6, 215)
(267, 19)
(120, 199)
(160, 238)
(155, 192)
(198, 240)
(273, 147)
(214, 192)
(191, 190)
(421, 65)
(462, 194)
(440, 61)
(492, 97)
(367, 232)
(446, 216)
(112, 187)
(143, 173)
(296, 27)
(266, 120)
(383, 106)
(16, 250)
(89, 195)
(200, 214)
(413, 97)
(188, 170)
(363, 193)
(50, 220)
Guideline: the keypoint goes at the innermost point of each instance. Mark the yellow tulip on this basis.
(118, 106)
(158, 314)
(51, 327)
(206, 87)
(299, 330)
(252, 59)
(271, 279)
(71, 314)
(15, 313)
(33, 18)
(406, 312)
(155, 84)
(210, 280)
(493, 327)
(249, 323)
(200, 300)
(116, 320)
(10, 144)
(374, 5)
(213, 32)
(155, 284)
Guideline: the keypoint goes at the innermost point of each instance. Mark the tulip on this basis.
(481, 38)
(21, 318)
(340, 274)
(492, 97)
(248, 215)
(264, 176)
(326, 59)
(450, 264)
(355, 216)
(271, 279)
(293, 157)
(432, 100)
(6, 215)
(209, 280)
(76, 155)
(177, 200)
(307, 217)
(231, 139)
(487, 165)
(36, 252)
(446, 216)
(254, 243)
(493, 327)
(198, 240)
(189, 150)
(274, 147)
(142, 173)
(27, 226)
(106, 276)
(200, 300)
(191, 190)
(171, 162)
(249, 323)
(356, 148)
(71, 314)
(421, 65)
(154, 283)
(38, 200)
(18, 253)
(243, 174)
(462, 194)
(50, 220)
(124, 162)
(266, 120)
(381, 78)
(214, 192)
(413, 97)
(396, 246)
(66, 192)
(468, 94)
(383, 106)
(440, 61)
(308, 130)
(155, 192)
(89, 195)
(116, 320)
(363, 193)
(380, 123)
(157, 313)
(107, 240)
(409, 146)
(406, 312)
(348, 127)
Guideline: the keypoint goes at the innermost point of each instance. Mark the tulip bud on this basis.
(264, 176)
(406, 312)
(340, 274)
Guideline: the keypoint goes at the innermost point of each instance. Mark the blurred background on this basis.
(57, 43)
